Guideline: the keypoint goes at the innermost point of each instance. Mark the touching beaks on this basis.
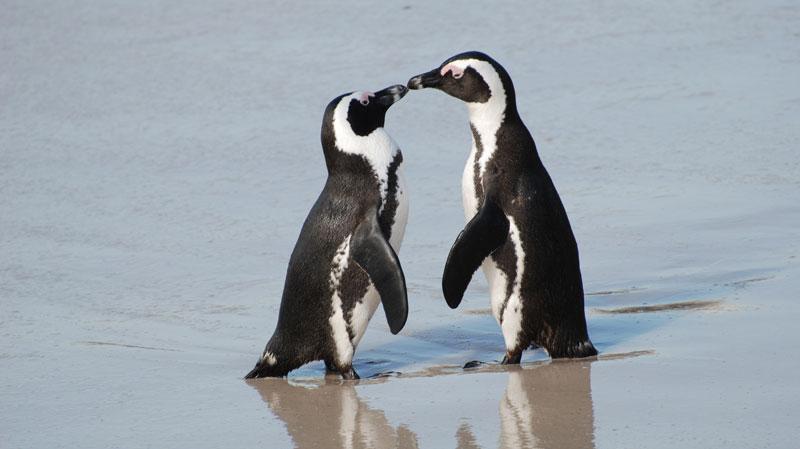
(428, 79)
(391, 94)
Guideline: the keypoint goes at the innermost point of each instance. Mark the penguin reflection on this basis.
(331, 416)
(548, 407)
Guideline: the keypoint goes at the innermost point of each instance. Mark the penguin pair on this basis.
(517, 230)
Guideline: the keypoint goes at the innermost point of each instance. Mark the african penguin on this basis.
(345, 259)
(517, 228)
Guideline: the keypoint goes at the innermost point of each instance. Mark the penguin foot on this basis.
(473, 364)
(512, 359)
(573, 351)
(330, 368)
(349, 374)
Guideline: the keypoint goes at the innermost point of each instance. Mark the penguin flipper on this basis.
(487, 230)
(375, 255)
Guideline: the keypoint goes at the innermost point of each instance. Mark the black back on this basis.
(351, 193)
(551, 283)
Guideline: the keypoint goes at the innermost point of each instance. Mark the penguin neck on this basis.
(489, 116)
(485, 120)
(373, 153)
(377, 147)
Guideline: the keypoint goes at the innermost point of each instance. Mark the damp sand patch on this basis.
(745, 282)
(123, 345)
(622, 291)
(668, 307)
(478, 312)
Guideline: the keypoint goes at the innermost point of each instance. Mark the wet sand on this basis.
(532, 408)
(157, 161)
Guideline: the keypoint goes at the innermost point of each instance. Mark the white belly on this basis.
(469, 199)
(341, 338)
(364, 309)
(401, 216)
(511, 318)
(362, 313)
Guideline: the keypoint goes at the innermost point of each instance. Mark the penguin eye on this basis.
(364, 101)
(458, 75)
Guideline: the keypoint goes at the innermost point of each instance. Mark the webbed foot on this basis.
(512, 358)
(349, 374)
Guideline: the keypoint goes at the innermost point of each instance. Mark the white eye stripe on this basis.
(363, 97)
(454, 68)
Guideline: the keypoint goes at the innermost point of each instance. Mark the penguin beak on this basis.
(428, 79)
(390, 95)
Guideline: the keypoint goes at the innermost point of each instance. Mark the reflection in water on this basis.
(549, 406)
(465, 438)
(331, 416)
(543, 406)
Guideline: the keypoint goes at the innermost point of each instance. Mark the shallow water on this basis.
(157, 161)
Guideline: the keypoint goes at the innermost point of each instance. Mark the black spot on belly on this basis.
(352, 288)
(386, 219)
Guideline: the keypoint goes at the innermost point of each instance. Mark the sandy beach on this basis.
(158, 159)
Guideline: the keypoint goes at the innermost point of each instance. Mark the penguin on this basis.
(345, 260)
(517, 228)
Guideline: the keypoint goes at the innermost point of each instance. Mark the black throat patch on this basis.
(365, 119)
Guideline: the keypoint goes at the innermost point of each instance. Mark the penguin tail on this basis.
(255, 373)
(265, 370)
(571, 348)
(582, 349)
(267, 366)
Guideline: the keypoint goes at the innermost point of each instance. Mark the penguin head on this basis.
(472, 77)
(353, 123)
(364, 112)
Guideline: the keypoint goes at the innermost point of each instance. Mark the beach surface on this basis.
(157, 160)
